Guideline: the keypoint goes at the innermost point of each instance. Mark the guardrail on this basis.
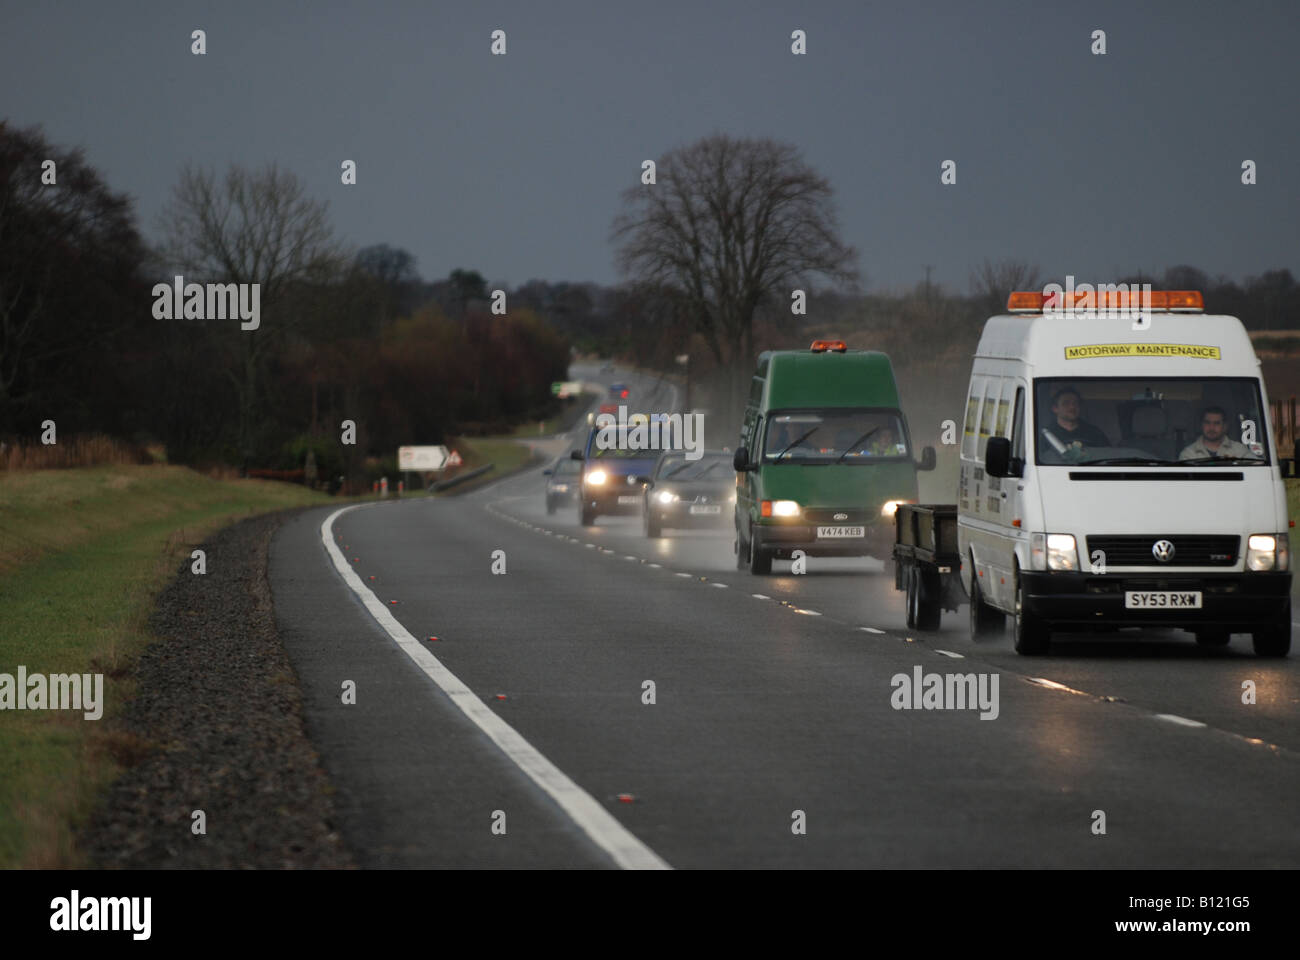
(450, 482)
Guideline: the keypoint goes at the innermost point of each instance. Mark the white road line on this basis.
(683, 574)
(594, 820)
(721, 586)
(870, 630)
(759, 596)
(810, 613)
(656, 566)
(1053, 685)
(949, 653)
(1181, 721)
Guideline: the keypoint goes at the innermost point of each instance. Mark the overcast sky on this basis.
(1083, 164)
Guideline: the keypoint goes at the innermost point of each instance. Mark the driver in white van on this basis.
(1214, 440)
(1068, 428)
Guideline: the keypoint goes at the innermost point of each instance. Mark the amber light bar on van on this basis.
(835, 346)
(1033, 301)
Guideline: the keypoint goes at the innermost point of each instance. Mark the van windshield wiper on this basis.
(1231, 461)
(1122, 461)
(861, 439)
(799, 441)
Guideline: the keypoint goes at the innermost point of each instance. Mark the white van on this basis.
(1122, 473)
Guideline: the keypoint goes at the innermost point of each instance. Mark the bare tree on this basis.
(250, 227)
(991, 282)
(728, 224)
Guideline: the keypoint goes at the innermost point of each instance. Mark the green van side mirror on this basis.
(740, 460)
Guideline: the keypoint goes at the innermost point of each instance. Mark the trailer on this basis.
(927, 562)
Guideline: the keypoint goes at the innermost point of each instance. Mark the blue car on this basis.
(613, 474)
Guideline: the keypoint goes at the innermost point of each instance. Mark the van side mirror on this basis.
(740, 460)
(997, 457)
(927, 460)
(547, 472)
(575, 455)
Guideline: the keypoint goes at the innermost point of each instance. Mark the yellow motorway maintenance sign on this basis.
(1193, 350)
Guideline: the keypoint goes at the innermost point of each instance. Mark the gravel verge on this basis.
(219, 711)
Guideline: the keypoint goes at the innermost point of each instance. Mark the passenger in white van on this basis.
(1214, 440)
(1068, 428)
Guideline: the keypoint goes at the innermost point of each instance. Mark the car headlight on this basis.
(597, 477)
(1267, 551)
(665, 496)
(1053, 551)
(779, 508)
(891, 507)
(560, 487)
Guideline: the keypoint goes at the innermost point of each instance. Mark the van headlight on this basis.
(665, 496)
(779, 508)
(596, 477)
(891, 507)
(1268, 551)
(1053, 551)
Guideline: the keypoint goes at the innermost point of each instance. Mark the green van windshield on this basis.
(834, 436)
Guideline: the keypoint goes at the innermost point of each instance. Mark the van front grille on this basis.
(834, 515)
(1190, 550)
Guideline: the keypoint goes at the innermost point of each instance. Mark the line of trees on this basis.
(711, 251)
(342, 335)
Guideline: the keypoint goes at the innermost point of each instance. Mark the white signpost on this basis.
(421, 458)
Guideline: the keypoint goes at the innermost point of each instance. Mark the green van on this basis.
(825, 457)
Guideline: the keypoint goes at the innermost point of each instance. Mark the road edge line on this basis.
(590, 817)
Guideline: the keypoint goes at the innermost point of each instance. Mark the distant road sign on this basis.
(421, 458)
(454, 459)
(567, 388)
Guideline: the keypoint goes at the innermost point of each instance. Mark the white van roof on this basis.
(1175, 344)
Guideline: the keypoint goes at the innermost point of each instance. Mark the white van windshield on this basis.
(834, 436)
(1154, 421)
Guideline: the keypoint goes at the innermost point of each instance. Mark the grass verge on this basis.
(83, 554)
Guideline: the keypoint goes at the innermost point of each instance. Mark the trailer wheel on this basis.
(928, 592)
